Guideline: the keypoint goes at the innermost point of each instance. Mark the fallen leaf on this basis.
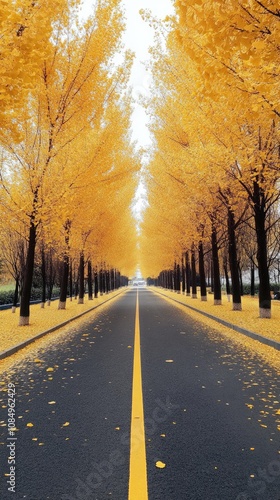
(160, 464)
(29, 424)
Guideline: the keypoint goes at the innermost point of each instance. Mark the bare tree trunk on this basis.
(28, 277)
(90, 290)
(183, 276)
(15, 298)
(216, 269)
(64, 283)
(233, 263)
(203, 291)
(44, 280)
(188, 274)
(194, 290)
(264, 290)
(95, 284)
(81, 279)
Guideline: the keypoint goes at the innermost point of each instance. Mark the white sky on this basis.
(138, 38)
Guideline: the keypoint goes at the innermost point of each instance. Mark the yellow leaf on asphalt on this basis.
(29, 424)
(66, 424)
(51, 402)
(160, 464)
(50, 369)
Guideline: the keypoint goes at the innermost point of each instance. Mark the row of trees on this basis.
(213, 177)
(68, 169)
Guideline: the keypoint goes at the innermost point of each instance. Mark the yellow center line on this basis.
(138, 487)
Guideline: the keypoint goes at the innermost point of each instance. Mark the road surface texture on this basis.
(211, 412)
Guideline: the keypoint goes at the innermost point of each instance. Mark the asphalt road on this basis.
(211, 412)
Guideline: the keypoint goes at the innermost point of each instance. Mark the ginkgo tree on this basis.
(217, 137)
(65, 146)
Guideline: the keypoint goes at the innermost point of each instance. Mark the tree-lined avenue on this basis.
(210, 410)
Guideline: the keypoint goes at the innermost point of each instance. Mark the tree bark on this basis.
(183, 276)
(252, 286)
(233, 263)
(90, 289)
(28, 277)
(260, 218)
(216, 269)
(227, 278)
(203, 290)
(194, 289)
(15, 298)
(44, 277)
(64, 283)
(188, 274)
(81, 279)
(95, 284)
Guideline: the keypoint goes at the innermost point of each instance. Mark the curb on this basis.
(243, 331)
(18, 347)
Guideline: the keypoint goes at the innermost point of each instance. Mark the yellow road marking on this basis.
(138, 487)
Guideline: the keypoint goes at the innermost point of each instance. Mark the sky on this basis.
(138, 38)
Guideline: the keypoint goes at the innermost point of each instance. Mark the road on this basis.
(211, 412)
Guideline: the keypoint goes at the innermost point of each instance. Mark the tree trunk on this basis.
(212, 275)
(71, 280)
(227, 279)
(112, 279)
(240, 280)
(90, 290)
(203, 291)
(264, 290)
(176, 277)
(216, 270)
(28, 277)
(64, 283)
(15, 298)
(44, 278)
(107, 282)
(188, 274)
(95, 284)
(81, 279)
(233, 263)
(50, 280)
(183, 276)
(252, 286)
(194, 290)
